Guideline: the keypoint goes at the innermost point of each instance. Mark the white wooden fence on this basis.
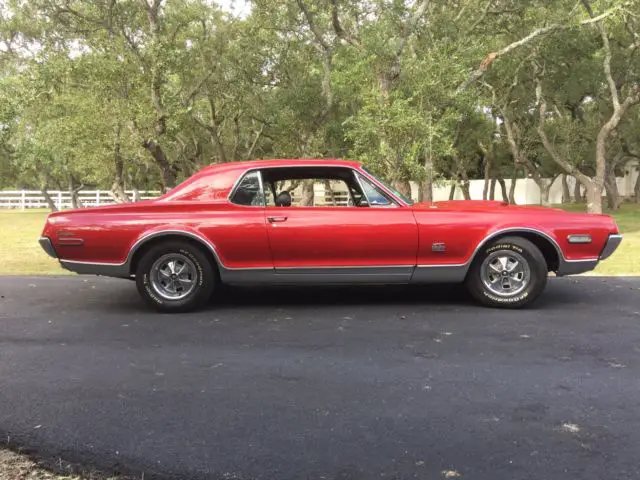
(526, 193)
(23, 199)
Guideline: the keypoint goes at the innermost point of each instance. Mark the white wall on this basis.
(527, 192)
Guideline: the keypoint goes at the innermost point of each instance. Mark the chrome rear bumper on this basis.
(46, 245)
(612, 244)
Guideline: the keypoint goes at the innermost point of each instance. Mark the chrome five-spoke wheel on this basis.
(173, 276)
(505, 273)
(509, 272)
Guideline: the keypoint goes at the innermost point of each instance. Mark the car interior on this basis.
(285, 177)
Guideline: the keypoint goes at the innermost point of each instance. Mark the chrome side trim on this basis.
(321, 275)
(94, 268)
(355, 172)
(264, 196)
(519, 229)
(452, 273)
(562, 261)
(348, 270)
(123, 269)
(613, 242)
(161, 233)
(565, 266)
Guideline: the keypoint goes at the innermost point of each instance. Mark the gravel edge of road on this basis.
(16, 463)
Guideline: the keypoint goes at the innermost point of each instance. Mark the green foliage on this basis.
(145, 92)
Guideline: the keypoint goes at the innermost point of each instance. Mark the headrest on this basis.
(283, 199)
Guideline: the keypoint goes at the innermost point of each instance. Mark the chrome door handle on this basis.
(276, 219)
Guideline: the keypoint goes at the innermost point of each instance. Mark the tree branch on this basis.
(587, 7)
(255, 142)
(482, 16)
(337, 26)
(548, 146)
(194, 91)
(312, 25)
(411, 24)
(486, 63)
(615, 99)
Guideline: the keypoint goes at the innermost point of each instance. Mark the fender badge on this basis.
(438, 247)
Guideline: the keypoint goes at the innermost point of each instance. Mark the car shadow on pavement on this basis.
(341, 295)
(558, 293)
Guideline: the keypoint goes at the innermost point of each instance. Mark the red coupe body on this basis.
(396, 242)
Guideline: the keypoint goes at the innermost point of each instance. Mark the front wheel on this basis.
(511, 272)
(175, 276)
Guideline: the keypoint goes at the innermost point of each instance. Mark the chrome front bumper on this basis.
(575, 267)
(46, 245)
(612, 244)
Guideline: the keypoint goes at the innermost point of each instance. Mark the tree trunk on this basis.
(512, 187)
(452, 191)
(427, 191)
(487, 176)
(156, 151)
(427, 185)
(592, 186)
(74, 188)
(48, 199)
(307, 199)
(545, 188)
(404, 187)
(566, 194)
(329, 196)
(577, 192)
(614, 200)
(503, 189)
(464, 179)
(492, 191)
(464, 186)
(636, 190)
(117, 189)
(593, 196)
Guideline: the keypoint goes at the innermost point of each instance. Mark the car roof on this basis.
(298, 162)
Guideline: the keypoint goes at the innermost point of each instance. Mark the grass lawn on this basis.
(20, 253)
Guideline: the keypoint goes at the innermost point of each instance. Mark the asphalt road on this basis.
(331, 383)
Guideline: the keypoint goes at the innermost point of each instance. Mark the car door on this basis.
(237, 229)
(343, 242)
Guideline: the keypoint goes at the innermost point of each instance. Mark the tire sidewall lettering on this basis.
(505, 246)
(516, 299)
(149, 289)
(197, 264)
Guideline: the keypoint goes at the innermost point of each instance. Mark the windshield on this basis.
(404, 198)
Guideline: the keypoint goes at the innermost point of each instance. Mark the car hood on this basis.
(480, 205)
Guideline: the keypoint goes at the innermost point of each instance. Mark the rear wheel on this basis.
(175, 276)
(511, 272)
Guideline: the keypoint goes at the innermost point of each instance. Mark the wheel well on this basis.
(140, 251)
(545, 246)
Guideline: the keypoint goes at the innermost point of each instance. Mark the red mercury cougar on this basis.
(321, 222)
